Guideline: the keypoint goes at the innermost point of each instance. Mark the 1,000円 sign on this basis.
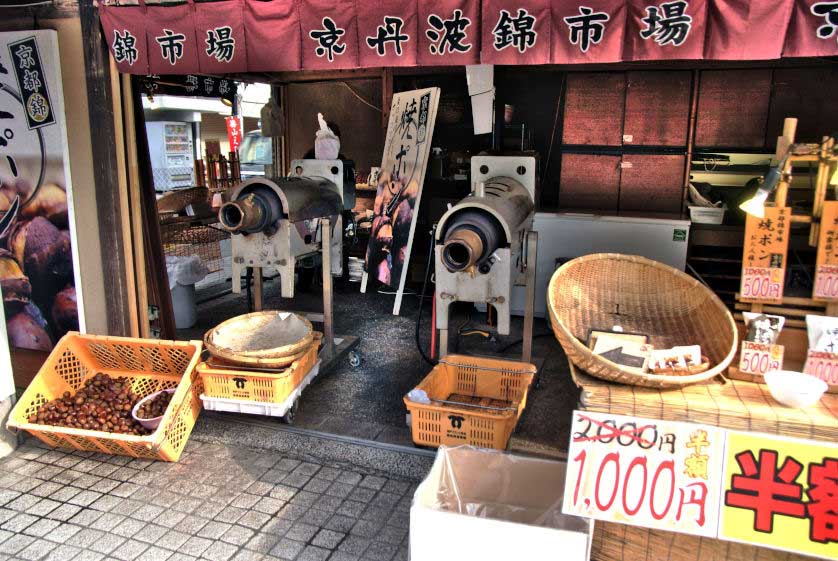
(658, 474)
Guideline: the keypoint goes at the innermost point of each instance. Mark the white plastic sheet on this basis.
(326, 144)
(185, 270)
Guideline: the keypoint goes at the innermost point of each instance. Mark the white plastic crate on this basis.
(260, 407)
(707, 214)
(514, 497)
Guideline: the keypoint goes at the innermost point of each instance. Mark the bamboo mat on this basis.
(730, 404)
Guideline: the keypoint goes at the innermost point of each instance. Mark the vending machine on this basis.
(170, 145)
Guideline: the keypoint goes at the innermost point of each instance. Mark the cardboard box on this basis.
(490, 505)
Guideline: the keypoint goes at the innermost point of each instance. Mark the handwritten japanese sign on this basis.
(765, 490)
(826, 267)
(822, 365)
(757, 358)
(764, 257)
(234, 133)
(780, 493)
(657, 474)
(399, 189)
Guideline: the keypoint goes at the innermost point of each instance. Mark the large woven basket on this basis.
(602, 290)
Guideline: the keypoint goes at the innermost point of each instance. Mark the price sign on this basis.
(826, 266)
(757, 358)
(764, 257)
(780, 493)
(657, 474)
(822, 365)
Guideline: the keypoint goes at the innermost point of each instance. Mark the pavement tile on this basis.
(125, 489)
(85, 498)
(172, 540)
(129, 550)
(386, 500)
(230, 514)
(378, 551)
(170, 519)
(365, 528)
(317, 485)
(23, 503)
(63, 532)
(352, 509)
(296, 480)
(147, 513)
(19, 523)
(191, 524)
(301, 532)
(282, 492)
(247, 555)
(340, 523)
(287, 464)
(220, 551)
(43, 490)
(36, 550)
(377, 514)
(392, 535)
(89, 555)
(304, 498)
(83, 517)
(107, 543)
(349, 477)
(343, 556)
(269, 505)
(362, 494)
(182, 557)
(254, 520)
(373, 482)
(237, 535)
(328, 539)
(287, 548)
(129, 528)
(341, 490)
(263, 542)
(328, 473)
(106, 503)
(245, 500)
(14, 544)
(260, 488)
(291, 512)
(127, 507)
(85, 538)
(356, 545)
(195, 546)
(328, 503)
(62, 552)
(151, 533)
(154, 554)
(315, 517)
(108, 521)
(314, 553)
(214, 529)
(41, 528)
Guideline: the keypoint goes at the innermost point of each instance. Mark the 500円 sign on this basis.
(763, 490)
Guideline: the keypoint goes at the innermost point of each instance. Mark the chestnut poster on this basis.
(37, 262)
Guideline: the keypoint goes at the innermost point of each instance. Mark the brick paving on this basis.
(218, 503)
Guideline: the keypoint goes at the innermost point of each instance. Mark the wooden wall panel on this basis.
(652, 183)
(657, 108)
(362, 139)
(733, 108)
(808, 94)
(589, 182)
(593, 112)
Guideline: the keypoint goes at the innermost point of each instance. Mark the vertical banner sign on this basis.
(657, 474)
(234, 133)
(40, 266)
(764, 257)
(406, 149)
(826, 267)
(780, 493)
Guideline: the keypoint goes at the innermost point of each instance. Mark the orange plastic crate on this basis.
(481, 423)
(230, 382)
(151, 365)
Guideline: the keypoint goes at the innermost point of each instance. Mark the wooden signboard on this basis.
(399, 189)
(826, 269)
(764, 256)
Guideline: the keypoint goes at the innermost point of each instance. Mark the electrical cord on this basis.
(422, 299)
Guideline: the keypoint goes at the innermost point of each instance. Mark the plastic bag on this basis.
(185, 270)
(494, 484)
(326, 144)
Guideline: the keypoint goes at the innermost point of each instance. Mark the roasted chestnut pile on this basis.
(103, 403)
(155, 407)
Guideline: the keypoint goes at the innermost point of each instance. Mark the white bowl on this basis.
(150, 424)
(795, 389)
